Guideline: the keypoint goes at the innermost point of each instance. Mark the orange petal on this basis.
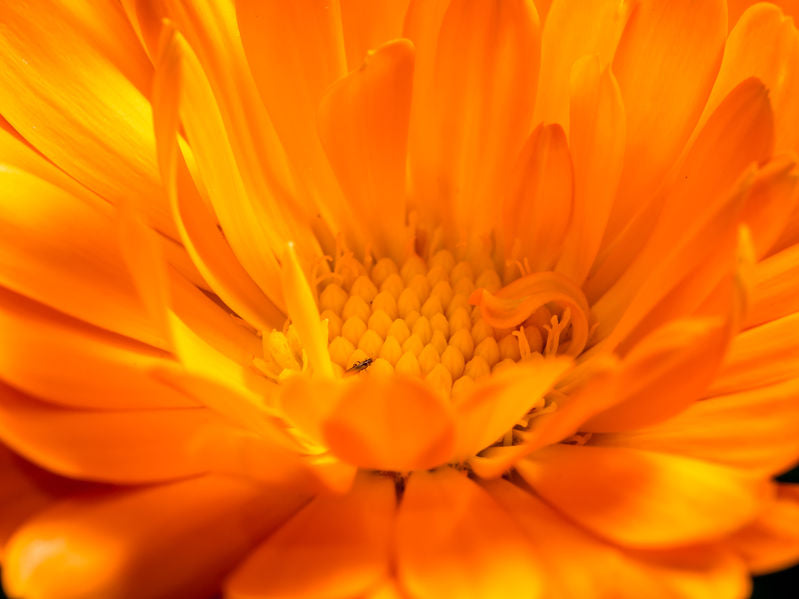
(337, 546)
(246, 409)
(26, 489)
(363, 126)
(512, 304)
(774, 195)
(391, 423)
(760, 356)
(422, 26)
(265, 459)
(213, 321)
(478, 115)
(123, 447)
(771, 542)
(199, 357)
(737, 7)
(774, 287)
(752, 430)
(296, 50)
(543, 7)
(664, 373)
(666, 62)
(596, 140)
(176, 540)
(307, 403)
(66, 362)
(145, 261)
(368, 25)
(764, 44)
(492, 409)
(705, 193)
(62, 251)
(453, 540)
(609, 571)
(640, 498)
(573, 29)
(599, 393)
(68, 88)
(539, 207)
(389, 590)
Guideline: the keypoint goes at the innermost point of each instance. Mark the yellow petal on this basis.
(254, 237)
(69, 87)
(62, 252)
(304, 313)
(196, 223)
(18, 153)
(211, 29)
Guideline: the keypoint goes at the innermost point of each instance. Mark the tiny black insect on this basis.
(359, 366)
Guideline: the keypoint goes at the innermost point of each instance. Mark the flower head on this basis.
(402, 299)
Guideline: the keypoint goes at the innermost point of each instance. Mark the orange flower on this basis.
(439, 298)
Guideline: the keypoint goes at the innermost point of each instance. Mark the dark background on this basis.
(785, 584)
(780, 585)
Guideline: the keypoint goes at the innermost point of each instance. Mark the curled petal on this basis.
(512, 304)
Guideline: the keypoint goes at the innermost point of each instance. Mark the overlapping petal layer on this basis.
(504, 307)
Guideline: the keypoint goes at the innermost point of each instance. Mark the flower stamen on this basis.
(415, 318)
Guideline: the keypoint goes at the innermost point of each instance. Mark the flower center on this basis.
(416, 319)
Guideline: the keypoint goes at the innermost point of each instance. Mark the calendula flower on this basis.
(427, 298)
